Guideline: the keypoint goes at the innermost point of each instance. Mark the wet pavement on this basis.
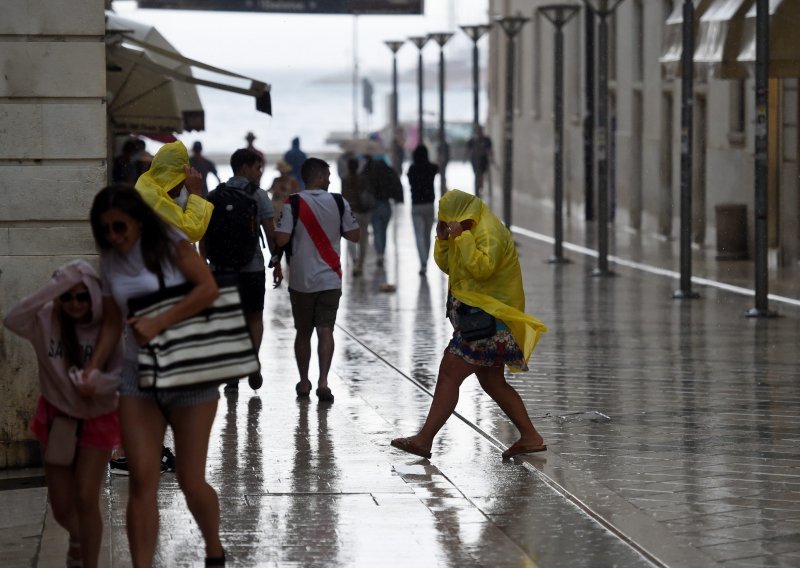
(672, 429)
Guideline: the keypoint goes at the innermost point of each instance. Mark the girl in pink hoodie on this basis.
(62, 321)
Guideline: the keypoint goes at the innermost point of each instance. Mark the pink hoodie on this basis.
(33, 319)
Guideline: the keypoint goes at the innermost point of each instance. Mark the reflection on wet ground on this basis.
(672, 430)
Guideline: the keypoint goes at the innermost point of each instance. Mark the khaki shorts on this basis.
(315, 309)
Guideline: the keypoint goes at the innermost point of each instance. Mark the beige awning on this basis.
(672, 40)
(151, 85)
(784, 39)
(720, 39)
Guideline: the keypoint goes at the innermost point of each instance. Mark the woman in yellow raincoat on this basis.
(173, 190)
(478, 254)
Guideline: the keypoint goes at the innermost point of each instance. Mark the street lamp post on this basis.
(475, 33)
(443, 153)
(559, 15)
(511, 26)
(687, 150)
(604, 9)
(420, 42)
(761, 308)
(397, 150)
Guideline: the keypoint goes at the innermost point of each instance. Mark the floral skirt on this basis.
(495, 351)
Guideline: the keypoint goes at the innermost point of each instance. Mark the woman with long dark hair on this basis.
(62, 321)
(139, 254)
(421, 174)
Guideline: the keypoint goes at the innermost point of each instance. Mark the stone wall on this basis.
(53, 148)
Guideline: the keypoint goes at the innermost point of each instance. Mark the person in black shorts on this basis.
(247, 168)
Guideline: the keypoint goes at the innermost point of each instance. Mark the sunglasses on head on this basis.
(79, 297)
(116, 227)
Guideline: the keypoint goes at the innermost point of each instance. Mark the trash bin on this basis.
(731, 231)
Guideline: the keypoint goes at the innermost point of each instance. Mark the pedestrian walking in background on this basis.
(282, 187)
(173, 190)
(315, 280)
(123, 169)
(479, 153)
(295, 157)
(385, 185)
(140, 254)
(250, 137)
(485, 304)
(232, 243)
(421, 174)
(203, 165)
(358, 193)
(76, 416)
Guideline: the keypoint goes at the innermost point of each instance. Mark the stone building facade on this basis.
(53, 159)
(645, 110)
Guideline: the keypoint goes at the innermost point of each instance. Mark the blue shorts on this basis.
(166, 399)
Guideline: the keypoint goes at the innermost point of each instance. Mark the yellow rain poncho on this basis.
(483, 267)
(166, 173)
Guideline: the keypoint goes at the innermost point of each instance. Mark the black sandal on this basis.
(216, 560)
(302, 393)
(324, 394)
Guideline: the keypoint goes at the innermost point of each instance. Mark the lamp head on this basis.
(476, 31)
(394, 45)
(559, 14)
(440, 37)
(419, 41)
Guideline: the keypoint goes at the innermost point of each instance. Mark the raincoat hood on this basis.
(77, 272)
(483, 267)
(166, 171)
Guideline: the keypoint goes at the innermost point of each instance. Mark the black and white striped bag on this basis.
(211, 346)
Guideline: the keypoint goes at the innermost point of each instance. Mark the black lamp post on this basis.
(761, 308)
(475, 33)
(420, 42)
(687, 150)
(604, 10)
(397, 150)
(559, 15)
(444, 151)
(511, 25)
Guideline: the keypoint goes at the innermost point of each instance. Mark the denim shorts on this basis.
(166, 398)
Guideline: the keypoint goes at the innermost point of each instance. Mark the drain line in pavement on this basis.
(557, 487)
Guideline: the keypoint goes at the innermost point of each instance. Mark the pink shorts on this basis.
(99, 433)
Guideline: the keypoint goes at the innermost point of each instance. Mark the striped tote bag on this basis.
(211, 346)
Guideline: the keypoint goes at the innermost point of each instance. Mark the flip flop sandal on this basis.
(410, 447)
(324, 394)
(516, 450)
(302, 393)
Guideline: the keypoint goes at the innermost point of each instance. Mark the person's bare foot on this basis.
(412, 445)
(525, 445)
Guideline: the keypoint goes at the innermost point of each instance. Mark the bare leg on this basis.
(192, 428)
(494, 384)
(61, 493)
(325, 353)
(90, 472)
(452, 372)
(302, 354)
(255, 325)
(142, 426)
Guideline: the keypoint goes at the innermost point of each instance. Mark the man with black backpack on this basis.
(233, 241)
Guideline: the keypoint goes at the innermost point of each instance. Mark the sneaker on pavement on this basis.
(167, 460)
(255, 381)
(119, 466)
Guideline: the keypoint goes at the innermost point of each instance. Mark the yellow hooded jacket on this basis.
(483, 267)
(165, 173)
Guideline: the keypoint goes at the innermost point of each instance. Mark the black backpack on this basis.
(234, 231)
(294, 201)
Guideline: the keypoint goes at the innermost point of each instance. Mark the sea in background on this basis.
(311, 105)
